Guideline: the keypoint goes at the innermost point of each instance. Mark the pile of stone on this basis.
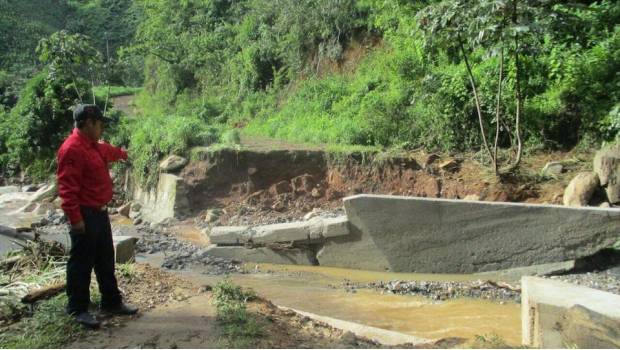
(181, 254)
(607, 281)
(600, 187)
(448, 290)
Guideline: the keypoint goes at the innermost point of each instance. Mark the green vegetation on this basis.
(448, 75)
(49, 327)
(240, 328)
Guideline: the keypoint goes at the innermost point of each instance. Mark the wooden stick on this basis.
(44, 293)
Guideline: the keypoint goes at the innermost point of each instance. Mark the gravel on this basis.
(444, 290)
(607, 281)
(181, 254)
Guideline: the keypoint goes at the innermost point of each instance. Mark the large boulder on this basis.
(172, 163)
(607, 167)
(580, 189)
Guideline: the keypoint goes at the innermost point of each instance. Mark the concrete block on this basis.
(335, 227)
(545, 303)
(409, 234)
(264, 255)
(229, 235)
(286, 232)
(168, 200)
(124, 249)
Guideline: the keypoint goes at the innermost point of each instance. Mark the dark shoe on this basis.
(122, 309)
(87, 320)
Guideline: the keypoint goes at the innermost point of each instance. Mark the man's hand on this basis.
(78, 227)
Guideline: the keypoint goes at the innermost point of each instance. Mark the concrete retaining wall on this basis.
(409, 234)
(549, 310)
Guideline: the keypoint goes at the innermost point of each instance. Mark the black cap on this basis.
(85, 111)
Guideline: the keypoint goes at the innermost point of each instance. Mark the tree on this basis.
(500, 28)
(33, 130)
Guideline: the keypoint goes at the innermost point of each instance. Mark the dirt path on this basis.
(185, 324)
(125, 104)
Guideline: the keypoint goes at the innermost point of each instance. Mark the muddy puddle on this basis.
(317, 290)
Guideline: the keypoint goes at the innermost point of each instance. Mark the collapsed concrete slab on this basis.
(298, 231)
(229, 235)
(409, 234)
(292, 256)
(553, 313)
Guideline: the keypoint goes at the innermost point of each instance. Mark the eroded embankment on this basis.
(274, 186)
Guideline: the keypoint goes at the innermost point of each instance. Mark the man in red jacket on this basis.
(85, 187)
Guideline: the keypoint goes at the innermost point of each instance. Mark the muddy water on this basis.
(316, 289)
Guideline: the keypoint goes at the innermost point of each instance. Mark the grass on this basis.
(49, 327)
(102, 91)
(239, 328)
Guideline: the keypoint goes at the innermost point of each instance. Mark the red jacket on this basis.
(83, 176)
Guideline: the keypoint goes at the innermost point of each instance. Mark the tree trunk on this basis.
(497, 107)
(477, 99)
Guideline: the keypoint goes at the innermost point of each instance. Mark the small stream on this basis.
(316, 289)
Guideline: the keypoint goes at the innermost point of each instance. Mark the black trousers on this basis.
(92, 249)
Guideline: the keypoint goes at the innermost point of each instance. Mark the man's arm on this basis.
(69, 176)
(111, 153)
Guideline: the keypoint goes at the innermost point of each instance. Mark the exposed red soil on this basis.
(274, 185)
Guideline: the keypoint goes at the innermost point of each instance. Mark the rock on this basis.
(303, 184)
(279, 188)
(124, 249)
(450, 165)
(212, 215)
(430, 159)
(135, 206)
(604, 205)
(113, 211)
(553, 169)
(607, 167)
(580, 189)
(252, 171)
(172, 163)
(30, 188)
(137, 221)
(316, 193)
(125, 209)
(472, 197)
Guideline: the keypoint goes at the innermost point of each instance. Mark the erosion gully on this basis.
(319, 290)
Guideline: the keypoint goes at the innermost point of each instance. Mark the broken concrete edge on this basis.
(533, 270)
(316, 228)
(544, 302)
(292, 256)
(382, 336)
